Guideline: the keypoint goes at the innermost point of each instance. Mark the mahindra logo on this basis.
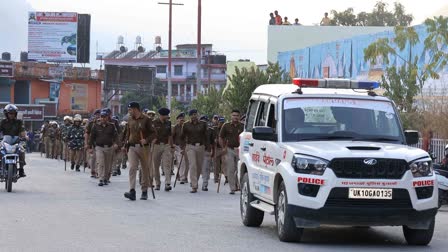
(370, 161)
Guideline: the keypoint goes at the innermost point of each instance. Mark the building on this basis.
(44, 91)
(184, 67)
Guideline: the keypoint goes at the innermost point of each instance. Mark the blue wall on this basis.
(345, 58)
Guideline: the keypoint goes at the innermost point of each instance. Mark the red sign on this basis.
(313, 181)
(31, 112)
(422, 183)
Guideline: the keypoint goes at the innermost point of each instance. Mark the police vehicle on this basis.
(333, 152)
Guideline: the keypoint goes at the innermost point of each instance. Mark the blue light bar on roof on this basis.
(336, 83)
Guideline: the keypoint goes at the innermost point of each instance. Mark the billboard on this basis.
(128, 78)
(6, 69)
(79, 97)
(31, 112)
(52, 36)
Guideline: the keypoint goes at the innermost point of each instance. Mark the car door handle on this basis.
(263, 148)
(251, 144)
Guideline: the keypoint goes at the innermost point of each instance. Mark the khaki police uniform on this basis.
(161, 154)
(230, 137)
(138, 153)
(103, 137)
(194, 135)
(179, 146)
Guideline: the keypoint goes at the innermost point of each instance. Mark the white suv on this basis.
(333, 152)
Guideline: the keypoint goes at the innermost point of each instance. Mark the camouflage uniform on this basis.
(64, 134)
(76, 145)
(52, 134)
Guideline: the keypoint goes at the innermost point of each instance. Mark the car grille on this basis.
(339, 198)
(356, 168)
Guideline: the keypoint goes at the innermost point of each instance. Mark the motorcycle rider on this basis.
(14, 127)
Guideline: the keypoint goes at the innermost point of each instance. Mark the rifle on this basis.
(178, 169)
(146, 162)
(65, 156)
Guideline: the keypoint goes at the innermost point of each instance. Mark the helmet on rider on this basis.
(10, 109)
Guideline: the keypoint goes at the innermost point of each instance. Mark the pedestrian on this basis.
(218, 153)
(286, 22)
(121, 161)
(207, 161)
(52, 137)
(229, 138)
(151, 114)
(278, 18)
(91, 156)
(64, 132)
(104, 139)
(139, 131)
(194, 133)
(76, 142)
(44, 137)
(163, 149)
(272, 19)
(296, 22)
(325, 20)
(179, 146)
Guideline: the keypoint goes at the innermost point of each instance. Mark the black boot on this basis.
(22, 173)
(72, 166)
(101, 183)
(118, 172)
(167, 188)
(130, 195)
(77, 168)
(144, 195)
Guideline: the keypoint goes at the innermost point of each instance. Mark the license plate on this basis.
(10, 161)
(369, 193)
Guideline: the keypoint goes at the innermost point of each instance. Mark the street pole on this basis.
(170, 86)
(198, 67)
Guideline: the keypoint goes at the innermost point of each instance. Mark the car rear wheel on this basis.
(250, 216)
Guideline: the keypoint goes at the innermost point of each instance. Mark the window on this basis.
(271, 118)
(251, 117)
(178, 70)
(161, 69)
(262, 115)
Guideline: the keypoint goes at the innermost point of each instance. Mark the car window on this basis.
(271, 118)
(251, 117)
(262, 115)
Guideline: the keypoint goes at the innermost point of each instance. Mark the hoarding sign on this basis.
(31, 113)
(52, 36)
(6, 69)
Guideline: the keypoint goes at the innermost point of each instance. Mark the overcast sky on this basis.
(237, 28)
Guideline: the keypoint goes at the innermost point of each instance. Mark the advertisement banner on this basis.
(31, 112)
(52, 36)
(79, 97)
(6, 69)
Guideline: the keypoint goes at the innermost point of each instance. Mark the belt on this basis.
(103, 145)
(196, 144)
(134, 145)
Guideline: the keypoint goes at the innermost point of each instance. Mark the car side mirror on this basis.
(411, 136)
(264, 134)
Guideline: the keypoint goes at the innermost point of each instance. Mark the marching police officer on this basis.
(218, 157)
(103, 138)
(206, 163)
(76, 142)
(179, 145)
(139, 131)
(194, 133)
(12, 126)
(44, 137)
(91, 157)
(229, 139)
(64, 132)
(163, 148)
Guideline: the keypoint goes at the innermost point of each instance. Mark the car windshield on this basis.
(340, 119)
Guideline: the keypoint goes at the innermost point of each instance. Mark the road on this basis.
(53, 210)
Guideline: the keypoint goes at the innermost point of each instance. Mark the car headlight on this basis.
(309, 165)
(421, 169)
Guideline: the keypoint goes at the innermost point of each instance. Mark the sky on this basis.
(237, 28)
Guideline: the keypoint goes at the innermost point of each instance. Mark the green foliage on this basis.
(210, 103)
(380, 16)
(245, 81)
(402, 84)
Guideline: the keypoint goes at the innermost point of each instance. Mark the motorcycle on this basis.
(10, 148)
(441, 172)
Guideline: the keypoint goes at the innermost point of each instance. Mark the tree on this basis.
(245, 81)
(210, 103)
(402, 84)
(380, 16)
